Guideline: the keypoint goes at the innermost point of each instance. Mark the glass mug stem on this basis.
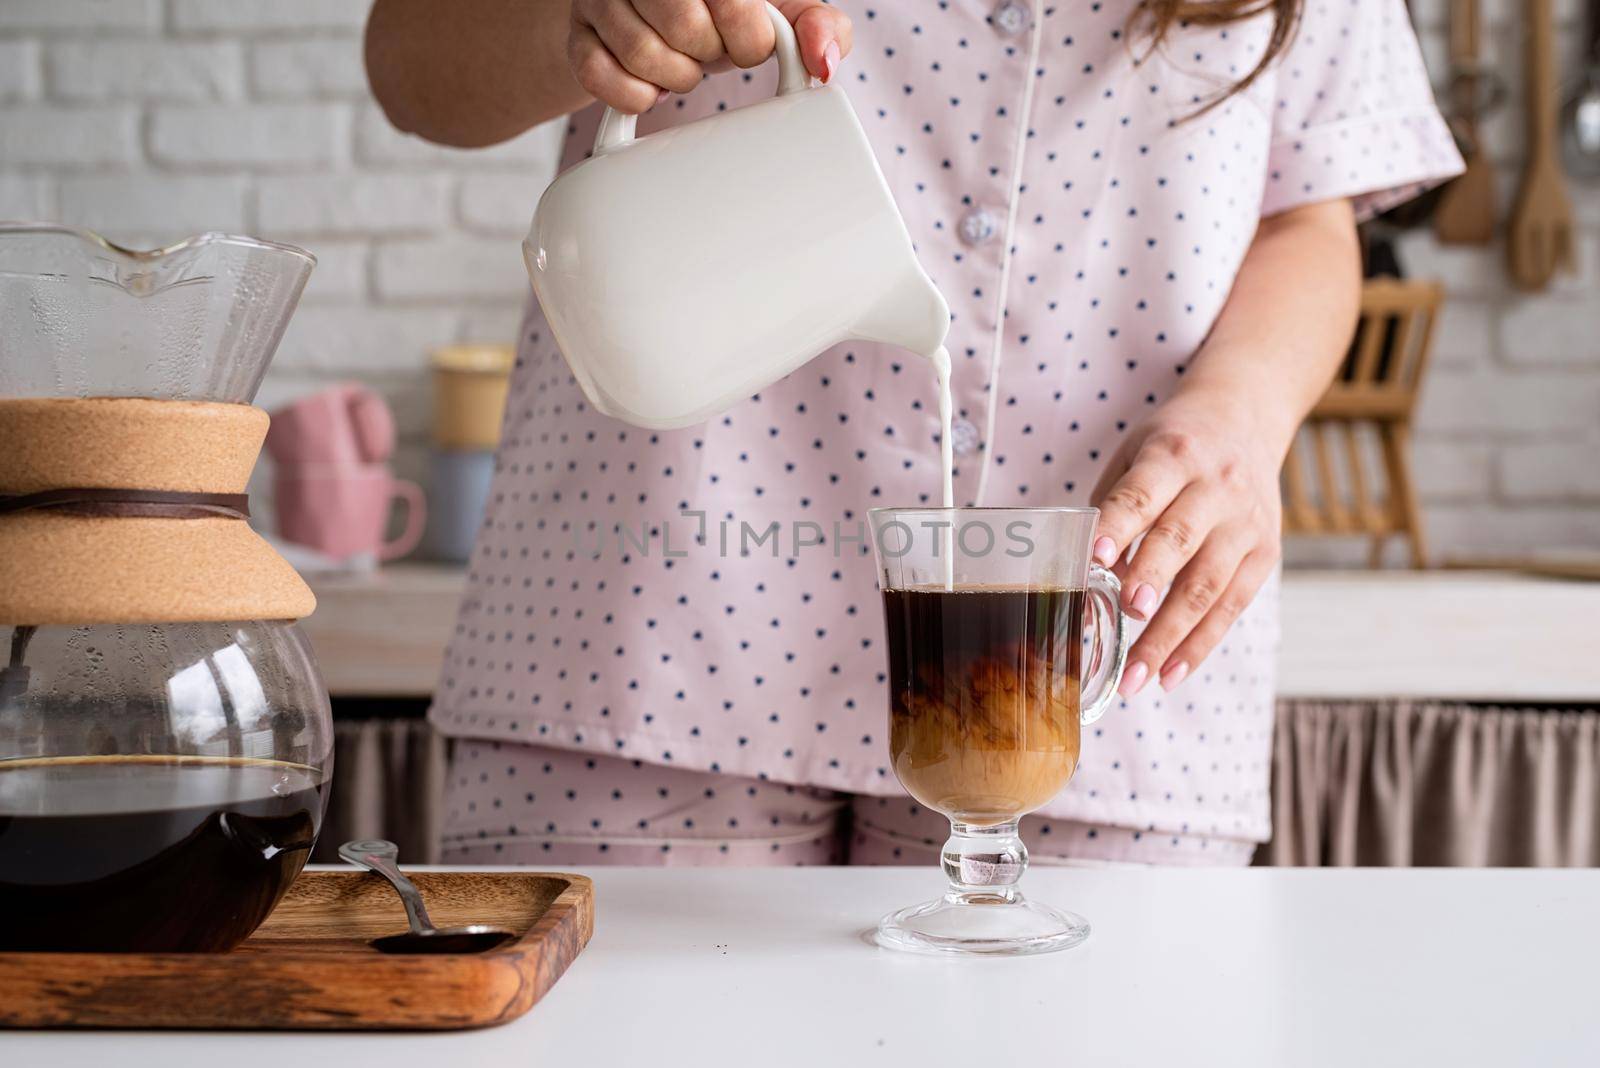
(983, 864)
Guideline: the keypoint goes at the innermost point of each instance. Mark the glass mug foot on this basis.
(995, 927)
(983, 911)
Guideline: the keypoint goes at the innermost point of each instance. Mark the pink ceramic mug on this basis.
(344, 424)
(343, 509)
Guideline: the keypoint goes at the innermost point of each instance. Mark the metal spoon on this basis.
(423, 937)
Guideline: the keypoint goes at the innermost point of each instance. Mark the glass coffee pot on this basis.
(1004, 642)
(165, 736)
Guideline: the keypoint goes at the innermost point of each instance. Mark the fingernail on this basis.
(1174, 674)
(1105, 551)
(1133, 679)
(662, 96)
(830, 61)
(1144, 601)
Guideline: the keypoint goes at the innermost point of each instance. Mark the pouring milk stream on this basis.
(674, 298)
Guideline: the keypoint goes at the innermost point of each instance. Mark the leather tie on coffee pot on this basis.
(156, 504)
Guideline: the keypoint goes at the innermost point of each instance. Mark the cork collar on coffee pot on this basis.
(127, 510)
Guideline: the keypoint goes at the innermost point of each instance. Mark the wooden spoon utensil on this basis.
(1465, 213)
(1541, 235)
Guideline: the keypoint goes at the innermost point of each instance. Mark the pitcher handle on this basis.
(616, 128)
(1108, 652)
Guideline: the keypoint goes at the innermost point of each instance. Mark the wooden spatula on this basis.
(1540, 239)
(1465, 215)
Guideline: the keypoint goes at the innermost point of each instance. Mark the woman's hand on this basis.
(631, 53)
(1200, 481)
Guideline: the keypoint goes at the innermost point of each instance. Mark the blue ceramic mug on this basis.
(460, 491)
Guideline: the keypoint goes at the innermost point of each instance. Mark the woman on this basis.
(1143, 219)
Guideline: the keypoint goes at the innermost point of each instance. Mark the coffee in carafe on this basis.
(111, 843)
(165, 736)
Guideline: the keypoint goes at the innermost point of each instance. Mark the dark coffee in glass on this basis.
(983, 697)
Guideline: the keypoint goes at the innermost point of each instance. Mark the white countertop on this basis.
(764, 968)
(1467, 635)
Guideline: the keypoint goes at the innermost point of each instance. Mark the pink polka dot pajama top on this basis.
(1086, 227)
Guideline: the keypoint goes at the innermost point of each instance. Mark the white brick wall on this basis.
(316, 204)
(154, 119)
(316, 67)
(246, 16)
(71, 139)
(1507, 454)
(171, 205)
(19, 70)
(150, 120)
(257, 136)
(145, 70)
(468, 269)
(24, 197)
(80, 16)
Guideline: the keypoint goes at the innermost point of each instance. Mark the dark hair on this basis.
(1154, 20)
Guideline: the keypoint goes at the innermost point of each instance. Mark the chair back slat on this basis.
(1332, 499)
(1331, 484)
(1299, 514)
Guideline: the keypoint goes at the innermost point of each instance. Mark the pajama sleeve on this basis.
(1353, 112)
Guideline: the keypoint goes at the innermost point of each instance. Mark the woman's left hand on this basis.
(1200, 481)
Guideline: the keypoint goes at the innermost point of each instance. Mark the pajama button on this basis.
(1011, 18)
(963, 437)
(978, 227)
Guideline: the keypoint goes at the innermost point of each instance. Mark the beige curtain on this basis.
(1353, 782)
(1426, 783)
(388, 782)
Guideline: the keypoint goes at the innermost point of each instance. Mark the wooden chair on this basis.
(1357, 438)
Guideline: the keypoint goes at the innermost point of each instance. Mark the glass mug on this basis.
(1004, 641)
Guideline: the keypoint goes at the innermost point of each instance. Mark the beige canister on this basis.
(469, 394)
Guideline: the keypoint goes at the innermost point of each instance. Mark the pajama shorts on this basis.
(519, 804)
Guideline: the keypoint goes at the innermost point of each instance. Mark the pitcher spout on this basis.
(911, 314)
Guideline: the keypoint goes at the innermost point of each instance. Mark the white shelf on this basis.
(1470, 635)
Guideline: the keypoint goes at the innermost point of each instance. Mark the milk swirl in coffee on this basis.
(983, 688)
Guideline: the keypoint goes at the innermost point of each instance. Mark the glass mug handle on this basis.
(1109, 634)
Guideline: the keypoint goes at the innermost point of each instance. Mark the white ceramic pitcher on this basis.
(684, 271)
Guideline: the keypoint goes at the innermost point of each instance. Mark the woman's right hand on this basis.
(631, 53)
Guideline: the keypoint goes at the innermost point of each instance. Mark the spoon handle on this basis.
(380, 856)
(1541, 80)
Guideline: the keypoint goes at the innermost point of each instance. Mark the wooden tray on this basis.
(309, 966)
